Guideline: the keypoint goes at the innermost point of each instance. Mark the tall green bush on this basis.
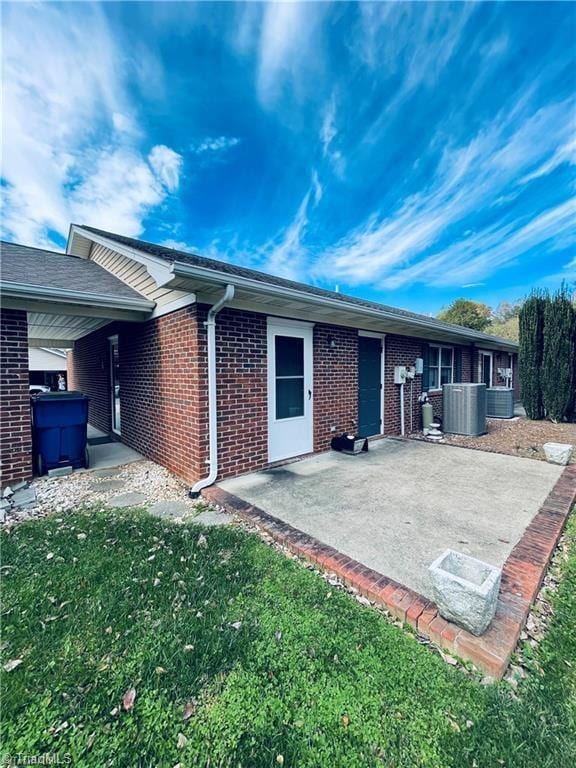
(558, 356)
(531, 327)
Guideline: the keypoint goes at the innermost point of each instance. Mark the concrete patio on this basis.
(399, 506)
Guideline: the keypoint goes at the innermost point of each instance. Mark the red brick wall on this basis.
(164, 387)
(335, 383)
(162, 406)
(15, 429)
(403, 350)
(241, 370)
(88, 371)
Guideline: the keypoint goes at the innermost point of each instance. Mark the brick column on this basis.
(15, 429)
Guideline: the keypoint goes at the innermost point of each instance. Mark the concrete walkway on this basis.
(112, 454)
(399, 506)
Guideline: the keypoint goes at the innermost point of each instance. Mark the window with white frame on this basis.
(441, 366)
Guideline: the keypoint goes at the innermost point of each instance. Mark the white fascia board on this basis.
(159, 270)
(211, 275)
(66, 296)
(284, 322)
(172, 306)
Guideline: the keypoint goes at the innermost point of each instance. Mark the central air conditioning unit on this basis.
(500, 402)
(464, 409)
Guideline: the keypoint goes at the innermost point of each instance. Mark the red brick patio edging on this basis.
(522, 575)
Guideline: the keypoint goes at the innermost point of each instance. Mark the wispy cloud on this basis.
(167, 165)
(484, 253)
(72, 129)
(328, 135)
(288, 48)
(216, 144)
(287, 257)
(467, 177)
(177, 245)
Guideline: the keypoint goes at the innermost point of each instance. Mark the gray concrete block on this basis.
(112, 472)
(465, 590)
(107, 485)
(131, 499)
(24, 496)
(169, 509)
(60, 471)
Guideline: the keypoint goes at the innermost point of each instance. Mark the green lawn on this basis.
(278, 668)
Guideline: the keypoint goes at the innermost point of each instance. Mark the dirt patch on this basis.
(517, 437)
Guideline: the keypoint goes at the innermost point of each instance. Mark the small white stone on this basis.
(558, 453)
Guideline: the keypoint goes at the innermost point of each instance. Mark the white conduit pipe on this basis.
(212, 393)
(402, 409)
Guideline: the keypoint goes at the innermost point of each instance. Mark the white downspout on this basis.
(212, 393)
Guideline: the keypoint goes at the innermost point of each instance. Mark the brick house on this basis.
(214, 370)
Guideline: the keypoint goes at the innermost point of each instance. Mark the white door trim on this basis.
(382, 337)
(298, 437)
(113, 340)
(485, 353)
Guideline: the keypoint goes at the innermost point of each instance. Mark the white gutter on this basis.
(428, 323)
(212, 393)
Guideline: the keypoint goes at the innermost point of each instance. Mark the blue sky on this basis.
(409, 153)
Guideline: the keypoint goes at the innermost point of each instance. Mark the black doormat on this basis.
(101, 440)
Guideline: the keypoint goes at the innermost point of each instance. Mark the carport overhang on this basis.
(58, 317)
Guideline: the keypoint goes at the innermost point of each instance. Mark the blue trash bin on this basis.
(59, 429)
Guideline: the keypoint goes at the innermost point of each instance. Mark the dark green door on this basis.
(369, 385)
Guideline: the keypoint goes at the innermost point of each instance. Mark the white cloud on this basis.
(485, 252)
(70, 128)
(215, 144)
(124, 124)
(328, 134)
(177, 245)
(564, 154)
(389, 249)
(289, 48)
(118, 193)
(287, 257)
(395, 41)
(167, 165)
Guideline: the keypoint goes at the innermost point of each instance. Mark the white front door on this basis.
(290, 425)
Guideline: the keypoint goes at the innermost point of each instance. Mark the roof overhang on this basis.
(38, 298)
(271, 298)
(290, 302)
(58, 317)
(80, 242)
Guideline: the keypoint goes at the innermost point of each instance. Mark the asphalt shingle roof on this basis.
(37, 267)
(171, 255)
